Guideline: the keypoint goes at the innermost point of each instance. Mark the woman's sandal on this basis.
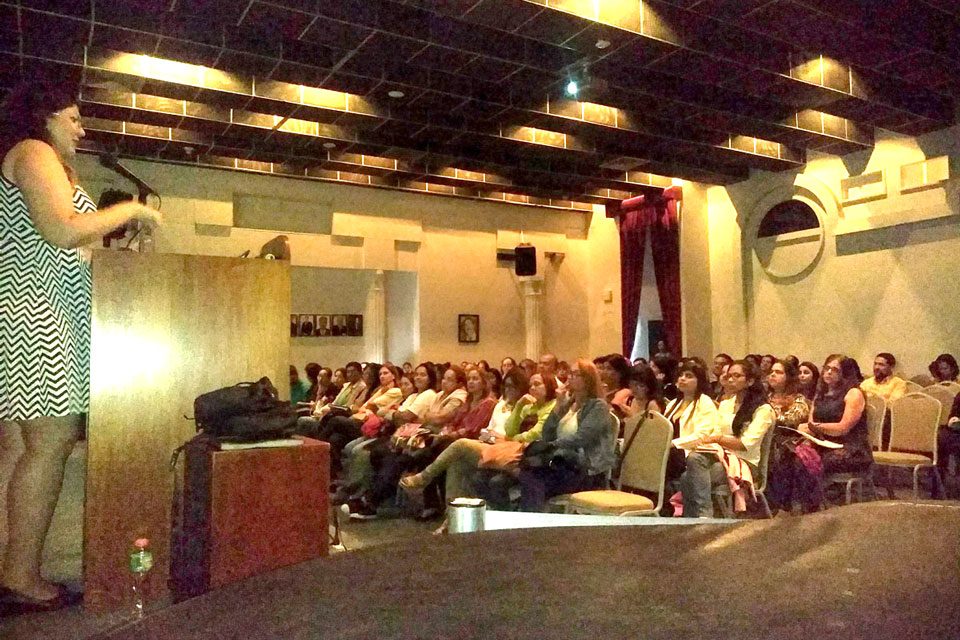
(14, 603)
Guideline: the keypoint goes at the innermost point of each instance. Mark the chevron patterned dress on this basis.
(44, 316)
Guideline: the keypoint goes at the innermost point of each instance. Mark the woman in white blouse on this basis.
(693, 414)
(743, 420)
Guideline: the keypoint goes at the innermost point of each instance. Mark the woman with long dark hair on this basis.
(808, 378)
(45, 302)
(839, 415)
(743, 421)
(693, 414)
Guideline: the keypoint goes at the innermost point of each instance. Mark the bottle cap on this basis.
(141, 543)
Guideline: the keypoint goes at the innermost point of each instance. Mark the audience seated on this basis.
(340, 377)
(614, 371)
(948, 443)
(883, 383)
(581, 442)
(741, 423)
(793, 474)
(808, 380)
(339, 430)
(665, 368)
(313, 378)
(646, 391)
(944, 368)
(298, 388)
(693, 414)
(720, 362)
(839, 415)
(352, 390)
(506, 365)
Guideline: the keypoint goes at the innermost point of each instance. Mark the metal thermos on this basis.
(466, 515)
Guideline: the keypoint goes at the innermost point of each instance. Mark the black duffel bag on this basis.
(245, 412)
(240, 399)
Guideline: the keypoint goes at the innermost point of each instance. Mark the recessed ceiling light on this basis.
(329, 145)
(602, 44)
(396, 93)
(572, 88)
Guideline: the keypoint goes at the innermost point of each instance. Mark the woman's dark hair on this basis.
(792, 372)
(950, 362)
(312, 370)
(494, 378)
(643, 376)
(698, 370)
(794, 360)
(812, 391)
(754, 396)
(518, 378)
(431, 374)
(619, 364)
(24, 113)
(753, 357)
(484, 365)
(848, 375)
(667, 366)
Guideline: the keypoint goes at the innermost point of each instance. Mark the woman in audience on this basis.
(839, 415)
(483, 365)
(583, 442)
(693, 414)
(417, 399)
(665, 369)
(495, 382)
(743, 420)
(340, 377)
(724, 384)
(326, 389)
(944, 368)
(506, 365)
(563, 373)
(339, 430)
(445, 416)
(614, 371)
(808, 379)
(532, 403)
(515, 384)
(793, 462)
(313, 377)
(646, 391)
(766, 365)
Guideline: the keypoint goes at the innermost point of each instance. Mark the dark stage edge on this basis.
(873, 571)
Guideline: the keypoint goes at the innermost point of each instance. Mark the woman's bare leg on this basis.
(32, 495)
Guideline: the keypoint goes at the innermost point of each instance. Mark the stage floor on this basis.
(873, 571)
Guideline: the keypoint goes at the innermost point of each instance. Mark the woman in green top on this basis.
(461, 459)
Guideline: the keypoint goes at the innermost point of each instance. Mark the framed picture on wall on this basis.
(339, 326)
(322, 327)
(354, 325)
(468, 328)
(306, 324)
(294, 325)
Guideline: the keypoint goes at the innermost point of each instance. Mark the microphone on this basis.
(109, 161)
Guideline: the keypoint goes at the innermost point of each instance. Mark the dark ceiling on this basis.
(704, 90)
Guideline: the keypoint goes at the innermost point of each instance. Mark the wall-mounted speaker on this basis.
(526, 264)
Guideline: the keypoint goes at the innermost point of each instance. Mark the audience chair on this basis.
(876, 413)
(954, 387)
(913, 387)
(923, 379)
(643, 468)
(724, 499)
(915, 419)
(945, 395)
(560, 501)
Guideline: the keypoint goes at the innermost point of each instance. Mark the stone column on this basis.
(532, 323)
(376, 324)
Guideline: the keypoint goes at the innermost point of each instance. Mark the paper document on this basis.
(263, 444)
(814, 439)
(686, 442)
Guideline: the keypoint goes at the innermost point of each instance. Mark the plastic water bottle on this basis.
(141, 561)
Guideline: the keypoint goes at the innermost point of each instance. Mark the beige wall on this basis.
(887, 278)
(449, 243)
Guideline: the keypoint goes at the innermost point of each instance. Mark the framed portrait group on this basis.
(310, 325)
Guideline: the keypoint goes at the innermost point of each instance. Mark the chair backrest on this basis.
(954, 387)
(760, 481)
(645, 464)
(913, 387)
(615, 435)
(945, 396)
(914, 420)
(876, 411)
(923, 379)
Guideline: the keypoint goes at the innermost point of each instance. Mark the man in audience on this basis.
(529, 366)
(720, 361)
(298, 388)
(548, 366)
(883, 383)
(351, 391)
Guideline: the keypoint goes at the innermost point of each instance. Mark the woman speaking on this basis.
(45, 217)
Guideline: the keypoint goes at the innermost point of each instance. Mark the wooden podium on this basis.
(249, 511)
(166, 328)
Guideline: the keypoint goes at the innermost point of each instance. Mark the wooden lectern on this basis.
(166, 328)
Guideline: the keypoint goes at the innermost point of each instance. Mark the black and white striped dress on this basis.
(44, 316)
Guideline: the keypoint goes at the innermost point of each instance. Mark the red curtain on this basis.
(659, 214)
